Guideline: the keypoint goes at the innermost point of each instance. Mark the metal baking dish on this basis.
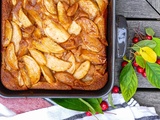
(111, 31)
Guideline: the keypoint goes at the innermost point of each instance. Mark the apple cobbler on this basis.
(54, 44)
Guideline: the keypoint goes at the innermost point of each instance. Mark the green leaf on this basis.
(92, 110)
(149, 31)
(99, 100)
(79, 104)
(95, 104)
(71, 103)
(144, 43)
(128, 81)
(153, 74)
(110, 100)
(140, 61)
(157, 48)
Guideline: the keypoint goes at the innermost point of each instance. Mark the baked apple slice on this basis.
(102, 4)
(88, 26)
(23, 50)
(11, 57)
(16, 36)
(14, 2)
(38, 56)
(92, 43)
(50, 6)
(35, 15)
(57, 64)
(33, 69)
(79, 14)
(25, 2)
(93, 57)
(47, 74)
(52, 46)
(24, 19)
(65, 78)
(100, 22)
(46, 44)
(39, 46)
(73, 9)
(64, 1)
(90, 7)
(25, 77)
(72, 43)
(55, 31)
(72, 2)
(82, 70)
(7, 33)
(73, 61)
(16, 20)
(74, 28)
(62, 16)
(20, 79)
(37, 33)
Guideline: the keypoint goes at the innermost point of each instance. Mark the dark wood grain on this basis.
(137, 8)
(155, 4)
(149, 99)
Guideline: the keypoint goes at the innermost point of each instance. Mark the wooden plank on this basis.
(142, 24)
(137, 8)
(149, 99)
(143, 82)
(155, 4)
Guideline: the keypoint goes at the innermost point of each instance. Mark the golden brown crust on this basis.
(80, 49)
(5, 15)
(54, 86)
(97, 83)
(10, 82)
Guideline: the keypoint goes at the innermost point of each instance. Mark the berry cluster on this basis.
(136, 39)
(144, 58)
(138, 68)
(104, 106)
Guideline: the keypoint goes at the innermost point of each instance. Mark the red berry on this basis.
(158, 61)
(104, 105)
(144, 74)
(124, 63)
(140, 69)
(88, 113)
(148, 37)
(115, 89)
(135, 40)
(135, 64)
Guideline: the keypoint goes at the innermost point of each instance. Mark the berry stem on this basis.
(125, 59)
(90, 107)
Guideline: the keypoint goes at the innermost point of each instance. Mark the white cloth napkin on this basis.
(123, 111)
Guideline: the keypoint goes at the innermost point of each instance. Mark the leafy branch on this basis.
(146, 54)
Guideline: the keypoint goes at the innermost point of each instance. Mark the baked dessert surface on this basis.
(54, 44)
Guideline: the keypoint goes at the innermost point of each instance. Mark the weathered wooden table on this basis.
(139, 14)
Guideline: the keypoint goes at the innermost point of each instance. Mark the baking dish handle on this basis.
(121, 36)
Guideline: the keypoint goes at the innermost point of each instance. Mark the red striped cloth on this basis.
(21, 105)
